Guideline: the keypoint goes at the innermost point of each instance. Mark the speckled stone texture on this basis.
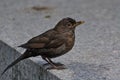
(25, 70)
(96, 54)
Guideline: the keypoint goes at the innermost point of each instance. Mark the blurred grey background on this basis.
(96, 54)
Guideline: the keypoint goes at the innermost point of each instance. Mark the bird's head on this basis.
(67, 24)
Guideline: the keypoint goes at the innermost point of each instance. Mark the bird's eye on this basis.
(68, 24)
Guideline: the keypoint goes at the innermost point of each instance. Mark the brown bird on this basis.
(53, 43)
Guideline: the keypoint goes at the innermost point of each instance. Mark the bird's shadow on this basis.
(85, 71)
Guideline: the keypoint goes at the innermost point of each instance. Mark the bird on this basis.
(50, 44)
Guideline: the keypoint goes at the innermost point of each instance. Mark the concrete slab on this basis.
(24, 70)
(95, 55)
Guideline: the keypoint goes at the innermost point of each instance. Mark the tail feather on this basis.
(23, 56)
(24, 45)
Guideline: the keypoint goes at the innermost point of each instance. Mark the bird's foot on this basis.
(56, 64)
(56, 67)
(59, 64)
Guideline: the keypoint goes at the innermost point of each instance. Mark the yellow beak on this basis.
(79, 22)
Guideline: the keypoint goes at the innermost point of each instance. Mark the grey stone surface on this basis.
(96, 54)
(25, 70)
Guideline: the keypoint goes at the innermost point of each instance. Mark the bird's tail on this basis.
(23, 56)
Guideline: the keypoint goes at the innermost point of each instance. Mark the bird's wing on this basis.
(43, 41)
(56, 42)
(39, 41)
(36, 42)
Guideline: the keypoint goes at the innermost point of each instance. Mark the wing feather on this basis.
(45, 41)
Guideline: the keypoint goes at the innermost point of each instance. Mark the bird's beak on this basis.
(79, 22)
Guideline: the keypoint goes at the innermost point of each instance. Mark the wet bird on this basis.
(50, 44)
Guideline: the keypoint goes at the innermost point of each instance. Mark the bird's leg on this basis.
(53, 65)
(56, 65)
(49, 62)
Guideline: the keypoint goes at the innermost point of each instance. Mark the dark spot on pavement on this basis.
(41, 8)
